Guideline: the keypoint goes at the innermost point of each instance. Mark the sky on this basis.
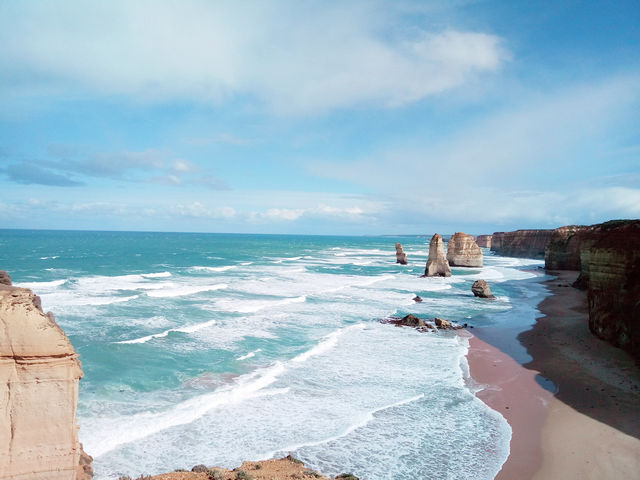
(318, 117)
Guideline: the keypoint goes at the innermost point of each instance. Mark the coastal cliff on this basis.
(484, 241)
(462, 251)
(607, 256)
(521, 243)
(39, 379)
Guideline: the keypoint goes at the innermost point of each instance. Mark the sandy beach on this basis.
(583, 425)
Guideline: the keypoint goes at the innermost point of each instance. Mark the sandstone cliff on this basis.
(484, 241)
(437, 264)
(521, 243)
(462, 251)
(39, 376)
(401, 257)
(608, 258)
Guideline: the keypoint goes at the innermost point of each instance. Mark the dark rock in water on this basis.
(480, 288)
(347, 476)
(411, 321)
(200, 468)
(442, 323)
(437, 264)
(430, 325)
(401, 257)
(417, 299)
(5, 278)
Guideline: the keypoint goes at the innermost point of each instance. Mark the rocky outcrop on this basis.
(5, 278)
(401, 257)
(484, 241)
(462, 251)
(39, 377)
(521, 243)
(480, 288)
(437, 264)
(411, 321)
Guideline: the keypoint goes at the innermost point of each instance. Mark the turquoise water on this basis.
(217, 348)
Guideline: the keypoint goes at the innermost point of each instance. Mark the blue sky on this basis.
(318, 117)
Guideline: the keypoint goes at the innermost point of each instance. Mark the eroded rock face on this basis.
(401, 257)
(614, 285)
(521, 243)
(462, 251)
(39, 376)
(5, 279)
(480, 288)
(484, 241)
(437, 264)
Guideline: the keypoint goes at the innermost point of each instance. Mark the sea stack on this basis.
(39, 377)
(401, 257)
(463, 251)
(437, 264)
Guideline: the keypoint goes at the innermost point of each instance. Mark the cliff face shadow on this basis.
(591, 376)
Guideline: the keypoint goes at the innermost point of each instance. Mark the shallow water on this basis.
(206, 348)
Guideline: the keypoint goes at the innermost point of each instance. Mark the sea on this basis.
(218, 348)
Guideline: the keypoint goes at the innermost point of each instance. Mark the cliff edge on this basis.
(39, 380)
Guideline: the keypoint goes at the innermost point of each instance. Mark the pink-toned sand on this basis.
(590, 428)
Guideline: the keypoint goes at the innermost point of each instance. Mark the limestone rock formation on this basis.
(480, 288)
(437, 264)
(462, 251)
(5, 279)
(401, 257)
(39, 376)
(484, 241)
(521, 243)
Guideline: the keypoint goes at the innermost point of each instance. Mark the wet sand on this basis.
(587, 426)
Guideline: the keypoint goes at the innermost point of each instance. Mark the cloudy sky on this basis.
(345, 117)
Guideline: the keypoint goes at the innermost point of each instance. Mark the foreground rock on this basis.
(39, 376)
(480, 288)
(437, 264)
(283, 469)
(462, 251)
(521, 243)
(401, 257)
(484, 241)
(5, 279)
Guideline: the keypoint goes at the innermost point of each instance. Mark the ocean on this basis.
(219, 348)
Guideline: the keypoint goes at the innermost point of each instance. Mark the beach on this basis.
(584, 422)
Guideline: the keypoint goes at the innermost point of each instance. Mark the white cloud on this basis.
(294, 57)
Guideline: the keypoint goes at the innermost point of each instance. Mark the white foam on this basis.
(156, 275)
(48, 258)
(329, 342)
(185, 290)
(213, 269)
(39, 286)
(111, 433)
(185, 329)
(252, 306)
(249, 355)
(366, 419)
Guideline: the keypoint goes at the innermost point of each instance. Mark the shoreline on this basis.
(588, 426)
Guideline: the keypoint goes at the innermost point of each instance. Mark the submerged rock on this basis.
(401, 257)
(480, 288)
(417, 299)
(437, 264)
(463, 251)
